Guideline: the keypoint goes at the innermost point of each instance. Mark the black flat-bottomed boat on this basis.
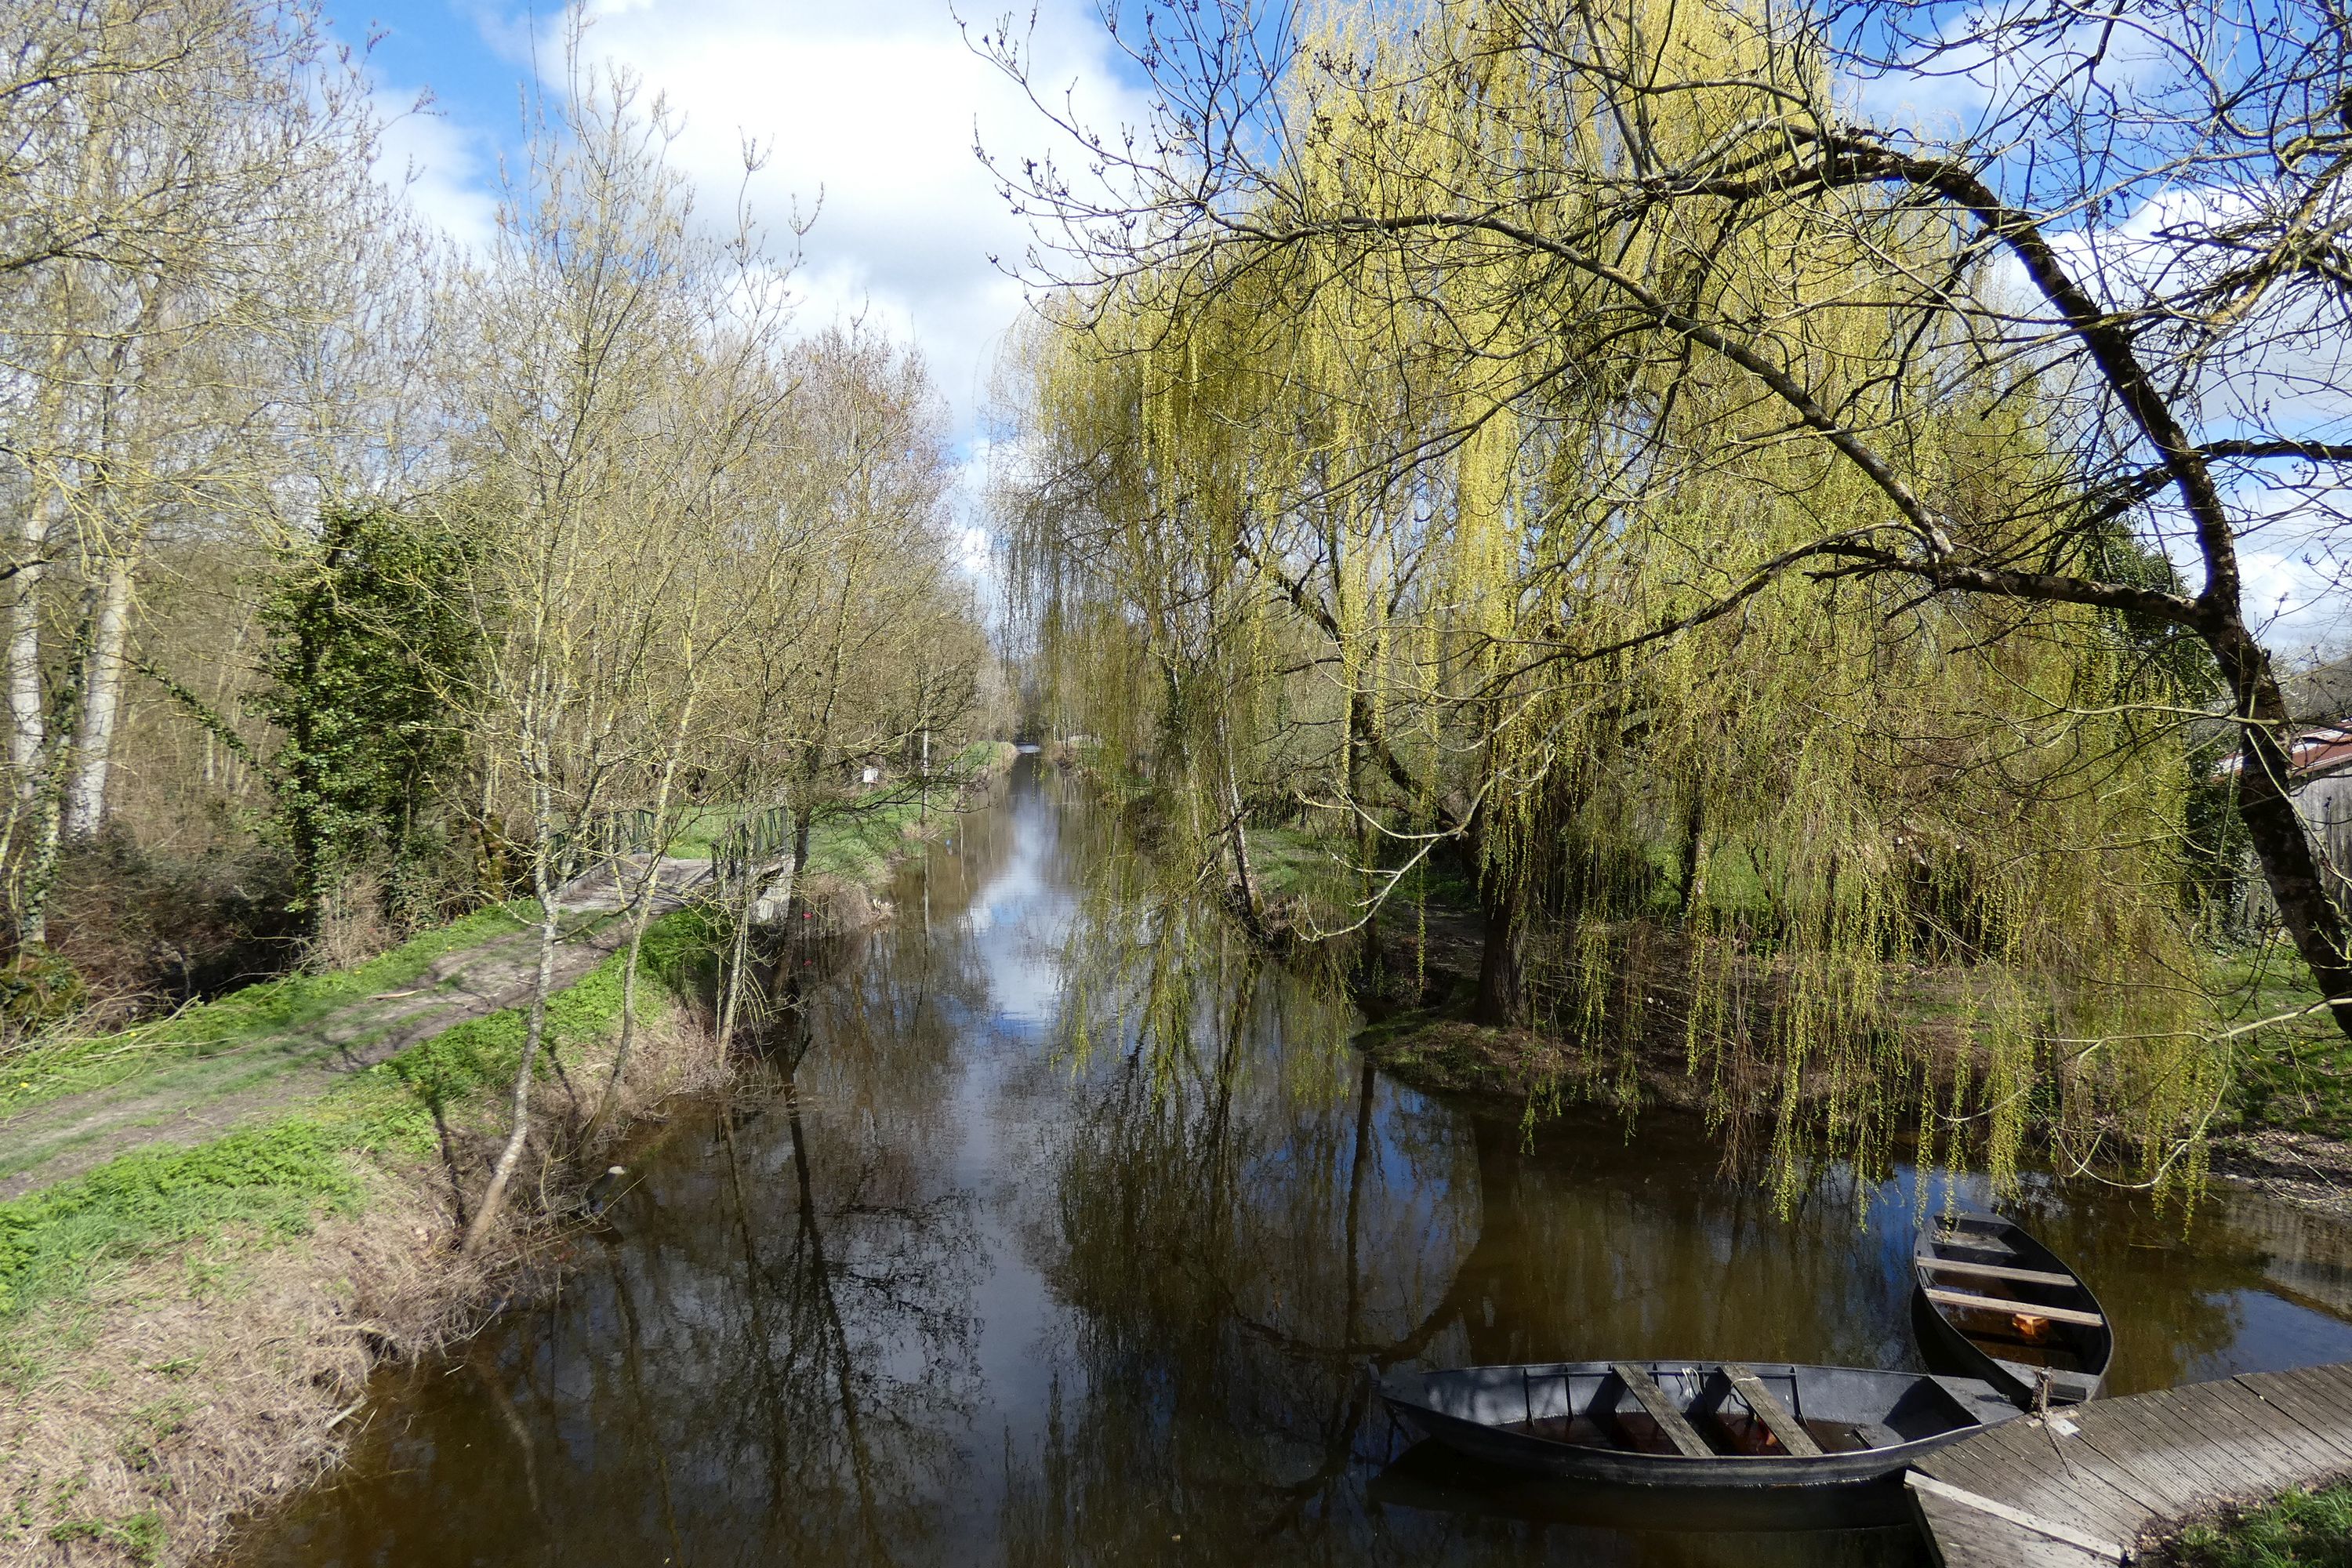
(1708, 1425)
(2010, 1311)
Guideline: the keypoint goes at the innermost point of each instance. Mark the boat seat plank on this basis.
(1772, 1412)
(1996, 1304)
(1996, 1272)
(1660, 1409)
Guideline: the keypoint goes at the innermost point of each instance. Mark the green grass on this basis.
(857, 845)
(1300, 862)
(138, 1536)
(2300, 1529)
(274, 1181)
(71, 1066)
(2295, 1074)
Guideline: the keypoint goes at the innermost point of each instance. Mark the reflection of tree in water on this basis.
(777, 1365)
(1242, 1231)
(1231, 1215)
(858, 1257)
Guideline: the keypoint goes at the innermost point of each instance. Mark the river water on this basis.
(948, 1281)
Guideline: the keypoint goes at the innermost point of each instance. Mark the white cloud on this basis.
(449, 173)
(871, 109)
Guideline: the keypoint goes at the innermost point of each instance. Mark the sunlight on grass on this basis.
(46, 1069)
(2300, 1529)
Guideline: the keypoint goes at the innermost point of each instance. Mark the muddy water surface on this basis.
(942, 1284)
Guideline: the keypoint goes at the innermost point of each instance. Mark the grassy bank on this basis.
(2297, 1529)
(72, 1065)
(184, 1328)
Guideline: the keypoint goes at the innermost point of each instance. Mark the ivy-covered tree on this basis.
(368, 635)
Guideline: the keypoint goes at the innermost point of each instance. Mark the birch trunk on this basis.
(26, 725)
(41, 855)
(101, 711)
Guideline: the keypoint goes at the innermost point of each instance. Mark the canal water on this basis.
(952, 1279)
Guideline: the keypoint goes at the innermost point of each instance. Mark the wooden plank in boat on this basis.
(1998, 1272)
(1772, 1412)
(2035, 1308)
(1653, 1399)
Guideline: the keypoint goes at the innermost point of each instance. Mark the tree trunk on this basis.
(2281, 840)
(1244, 885)
(494, 1198)
(1693, 854)
(1368, 951)
(26, 724)
(804, 822)
(639, 915)
(101, 698)
(48, 798)
(1499, 955)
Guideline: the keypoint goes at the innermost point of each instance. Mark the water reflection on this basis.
(950, 1278)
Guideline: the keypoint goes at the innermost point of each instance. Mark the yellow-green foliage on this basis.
(1433, 488)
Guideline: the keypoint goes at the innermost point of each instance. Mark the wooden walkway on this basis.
(2076, 1488)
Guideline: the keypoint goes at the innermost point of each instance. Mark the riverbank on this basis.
(189, 1327)
(215, 1227)
(2299, 1529)
(2282, 1124)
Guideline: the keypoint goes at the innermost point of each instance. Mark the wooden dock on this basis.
(2076, 1488)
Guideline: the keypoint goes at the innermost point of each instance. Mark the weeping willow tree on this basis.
(1458, 494)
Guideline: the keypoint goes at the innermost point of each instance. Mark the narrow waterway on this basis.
(963, 1285)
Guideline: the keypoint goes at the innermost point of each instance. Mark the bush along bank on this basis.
(186, 1332)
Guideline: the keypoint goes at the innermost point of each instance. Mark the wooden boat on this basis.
(2010, 1311)
(1711, 1425)
(1430, 1478)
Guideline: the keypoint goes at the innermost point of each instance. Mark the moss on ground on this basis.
(2297, 1529)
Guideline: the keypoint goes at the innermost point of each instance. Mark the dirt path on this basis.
(192, 1097)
